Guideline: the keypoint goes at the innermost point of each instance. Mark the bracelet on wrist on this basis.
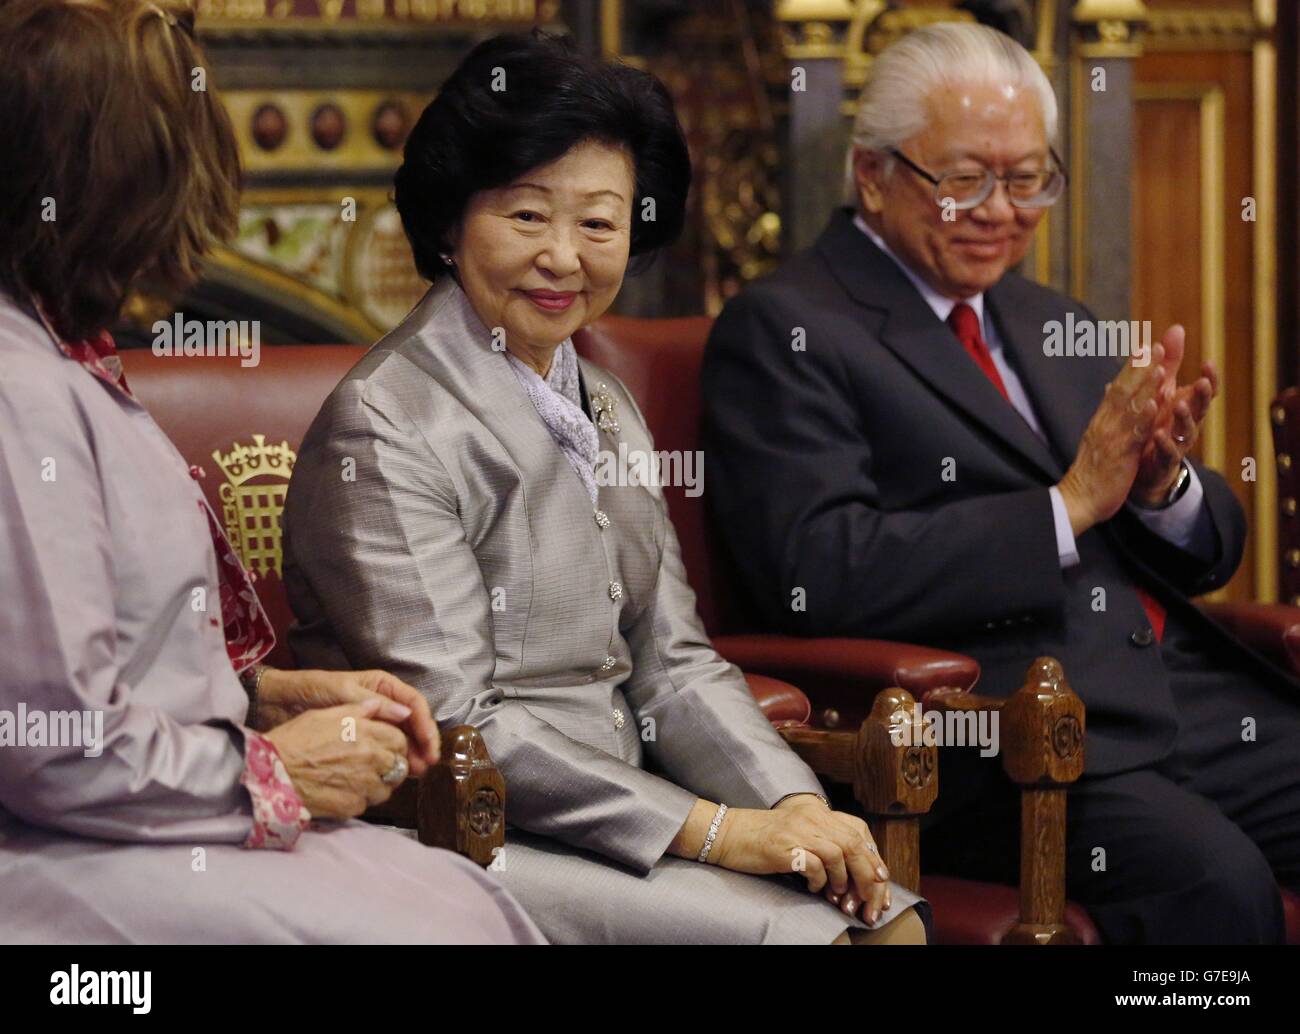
(802, 793)
(712, 834)
(251, 679)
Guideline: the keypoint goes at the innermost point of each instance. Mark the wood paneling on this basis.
(1184, 101)
(1288, 193)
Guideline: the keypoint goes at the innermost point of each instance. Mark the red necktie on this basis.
(966, 325)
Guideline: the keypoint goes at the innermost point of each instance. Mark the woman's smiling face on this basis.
(545, 255)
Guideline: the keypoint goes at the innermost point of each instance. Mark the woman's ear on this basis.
(450, 245)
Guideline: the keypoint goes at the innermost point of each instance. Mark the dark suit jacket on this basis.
(825, 473)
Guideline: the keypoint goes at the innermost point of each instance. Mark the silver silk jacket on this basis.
(434, 528)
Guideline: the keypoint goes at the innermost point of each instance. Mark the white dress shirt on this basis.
(1186, 523)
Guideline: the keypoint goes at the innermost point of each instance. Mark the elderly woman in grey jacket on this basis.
(448, 520)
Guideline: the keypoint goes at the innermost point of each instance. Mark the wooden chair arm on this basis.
(458, 804)
(1041, 739)
(895, 779)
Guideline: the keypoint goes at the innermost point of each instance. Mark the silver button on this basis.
(602, 519)
(615, 591)
(609, 663)
(619, 720)
(1142, 637)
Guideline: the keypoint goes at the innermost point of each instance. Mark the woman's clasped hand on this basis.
(339, 733)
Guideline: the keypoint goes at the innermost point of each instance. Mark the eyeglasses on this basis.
(963, 190)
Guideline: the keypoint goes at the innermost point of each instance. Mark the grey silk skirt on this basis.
(576, 897)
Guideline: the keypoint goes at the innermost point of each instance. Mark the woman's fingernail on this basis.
(882, 873)
(399, 711)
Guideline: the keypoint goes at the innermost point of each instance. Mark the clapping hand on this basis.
(1177, 422)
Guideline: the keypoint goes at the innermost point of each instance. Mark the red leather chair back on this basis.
(243, 426)
(659, 361)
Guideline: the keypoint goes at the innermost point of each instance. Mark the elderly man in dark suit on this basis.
(899, 448)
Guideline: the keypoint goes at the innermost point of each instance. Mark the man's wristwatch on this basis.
(1175, 492)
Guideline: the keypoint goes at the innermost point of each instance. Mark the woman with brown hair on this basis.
(131, 773)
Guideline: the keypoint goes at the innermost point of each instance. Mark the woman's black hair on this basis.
(524, 99)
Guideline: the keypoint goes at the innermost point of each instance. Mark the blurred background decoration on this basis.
(1197, 116)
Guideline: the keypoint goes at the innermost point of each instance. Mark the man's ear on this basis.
(869, 175)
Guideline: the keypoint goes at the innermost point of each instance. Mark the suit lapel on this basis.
(1051, 382)
(923, 342)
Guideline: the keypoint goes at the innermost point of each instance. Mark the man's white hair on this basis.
(893, 105)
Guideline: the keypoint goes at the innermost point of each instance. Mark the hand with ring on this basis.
(342, 760)
(832, 850)
(285, 694)
(396, 775)
(1177, 423)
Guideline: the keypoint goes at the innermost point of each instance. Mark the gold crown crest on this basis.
(245, 462)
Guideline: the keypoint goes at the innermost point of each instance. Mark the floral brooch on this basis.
(602, 403)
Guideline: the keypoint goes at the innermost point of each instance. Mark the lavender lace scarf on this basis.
(558, 402)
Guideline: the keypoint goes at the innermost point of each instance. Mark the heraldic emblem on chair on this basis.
(252, 500)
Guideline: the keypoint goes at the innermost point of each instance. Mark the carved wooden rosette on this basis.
(462, 800)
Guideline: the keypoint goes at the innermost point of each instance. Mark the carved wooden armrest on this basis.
(458, 804)
(1041, 739)
(893, 774)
